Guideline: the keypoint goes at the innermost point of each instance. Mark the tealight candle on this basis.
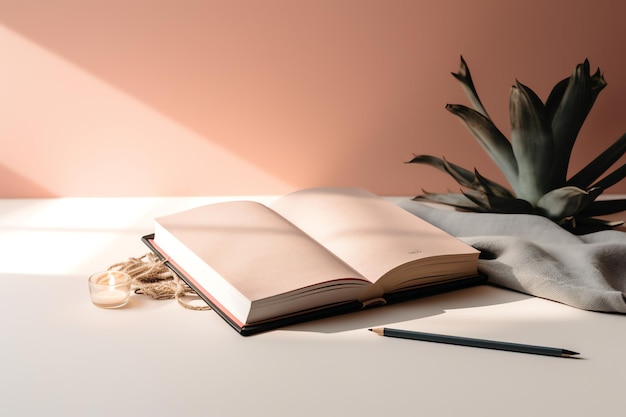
(109, 289)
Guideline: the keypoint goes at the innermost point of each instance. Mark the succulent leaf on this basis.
(475, 181)
(586, 176)
(465, 78)
(572, 110)
(611, 179)
(604, 207)
(491, 187)
(440, 164)
(491, 139)
(532, 145)
(480, 199)
(451, 199)
(493, 203)
(463, 176)
(555, 97)
(565, 202)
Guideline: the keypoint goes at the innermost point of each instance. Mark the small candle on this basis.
(110, 298)
(109, 289)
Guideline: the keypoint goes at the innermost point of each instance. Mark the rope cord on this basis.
(150, 276)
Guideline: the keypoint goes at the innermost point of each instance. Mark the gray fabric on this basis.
(533, 255)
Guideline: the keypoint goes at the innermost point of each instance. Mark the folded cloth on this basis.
(533, 255)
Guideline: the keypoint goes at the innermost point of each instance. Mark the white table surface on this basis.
(62, 356)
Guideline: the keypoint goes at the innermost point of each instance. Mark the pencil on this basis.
(479, 343)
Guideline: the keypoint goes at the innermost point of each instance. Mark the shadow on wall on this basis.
(21, 187)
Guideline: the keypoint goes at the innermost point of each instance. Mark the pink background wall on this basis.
(145, 97)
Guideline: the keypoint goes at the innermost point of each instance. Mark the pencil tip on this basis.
(569, 352)
(371, 330)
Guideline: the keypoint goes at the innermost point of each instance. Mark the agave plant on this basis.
(535, 161)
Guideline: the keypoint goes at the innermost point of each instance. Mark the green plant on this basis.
(535, 161)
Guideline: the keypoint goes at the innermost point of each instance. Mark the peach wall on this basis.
(148, 98)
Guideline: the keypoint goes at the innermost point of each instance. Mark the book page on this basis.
(371, 234)
(256, 251)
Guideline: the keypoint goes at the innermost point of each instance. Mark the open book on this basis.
(311, 253)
